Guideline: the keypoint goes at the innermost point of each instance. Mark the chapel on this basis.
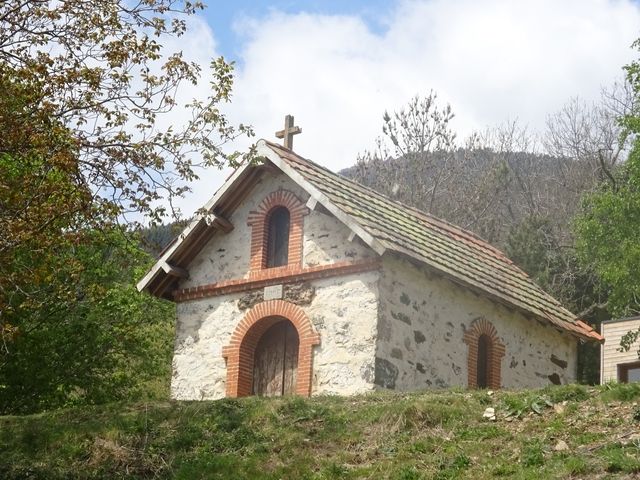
(296, 280)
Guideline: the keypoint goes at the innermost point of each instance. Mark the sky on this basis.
(338, 65)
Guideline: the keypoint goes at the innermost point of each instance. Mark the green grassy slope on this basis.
(397, 436)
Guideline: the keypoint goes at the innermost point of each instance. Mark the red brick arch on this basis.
(258, 220)
(480, 327)
(239, 353)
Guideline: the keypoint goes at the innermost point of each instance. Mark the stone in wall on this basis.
(419, 337)
(386, 373)
(561, 363)
(301, 293)
(554, 378)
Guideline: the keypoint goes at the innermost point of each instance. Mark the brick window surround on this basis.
(259, 221)
(240, 351)
(496, 351)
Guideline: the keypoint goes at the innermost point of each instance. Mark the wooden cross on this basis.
(288, 132)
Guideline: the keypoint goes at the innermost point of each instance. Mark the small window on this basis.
(278, 238)
(629, 372)
(484, 353)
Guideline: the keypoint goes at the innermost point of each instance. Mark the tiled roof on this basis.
(456, 253)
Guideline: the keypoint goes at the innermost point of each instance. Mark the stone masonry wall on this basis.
(343, 310)
(422, 320)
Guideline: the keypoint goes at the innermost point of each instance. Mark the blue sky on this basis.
(222, 15)
(338, 65)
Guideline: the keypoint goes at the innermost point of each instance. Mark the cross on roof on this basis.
(288, 132)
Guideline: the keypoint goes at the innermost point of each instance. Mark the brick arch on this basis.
(239, 353)
(479, 327)
(258, 220)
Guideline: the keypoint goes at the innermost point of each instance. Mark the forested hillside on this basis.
(522, 202)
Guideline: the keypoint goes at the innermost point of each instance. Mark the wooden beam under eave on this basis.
(217, 221)
(234, 197)
(175, 271)
(223, 224)
(312, 203)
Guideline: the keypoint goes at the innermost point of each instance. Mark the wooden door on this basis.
(276, 361)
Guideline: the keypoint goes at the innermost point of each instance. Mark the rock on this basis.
(561, 446)
(558, 408)
(490, 414)
(490, 392)
(386, 373)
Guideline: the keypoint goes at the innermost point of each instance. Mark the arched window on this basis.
(486, 351)
(277, 226)
(278, 237)
(484, 360)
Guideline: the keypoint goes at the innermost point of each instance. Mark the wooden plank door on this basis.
(290, 366)
(276, 361)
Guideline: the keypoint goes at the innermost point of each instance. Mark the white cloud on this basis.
(492, 60)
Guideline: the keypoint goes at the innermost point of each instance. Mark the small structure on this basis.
(617, 365)
(296, 280)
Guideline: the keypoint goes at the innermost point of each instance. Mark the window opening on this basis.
(629, 372)
(278, 238)
(482, 373)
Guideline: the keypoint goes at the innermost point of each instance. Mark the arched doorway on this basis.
(275, 361)
(255, 329)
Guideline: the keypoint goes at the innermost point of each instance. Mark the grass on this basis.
(430, 435)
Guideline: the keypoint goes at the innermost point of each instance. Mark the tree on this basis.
(421, 136)
(608, 226)
(103, 73)
(101, 342)
(73, 329)
(608, 239)
(591, 135)
(43, 204)
(83, 85)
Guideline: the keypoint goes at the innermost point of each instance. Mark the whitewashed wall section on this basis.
(343, 310)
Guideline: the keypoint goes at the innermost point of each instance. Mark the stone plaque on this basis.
(273, 292)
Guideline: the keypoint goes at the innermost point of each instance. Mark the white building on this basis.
(297, 280)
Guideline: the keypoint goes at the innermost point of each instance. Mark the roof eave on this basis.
(164, 262)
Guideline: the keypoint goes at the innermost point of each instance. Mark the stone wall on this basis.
(422, 321)
(326, 240)
(343, 310)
